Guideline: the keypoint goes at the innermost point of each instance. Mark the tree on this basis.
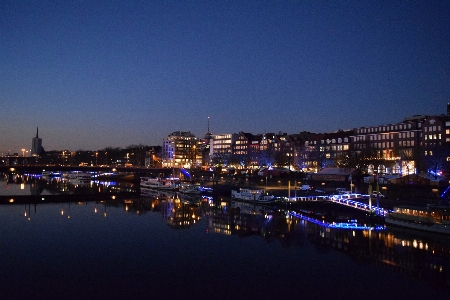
(266, 158)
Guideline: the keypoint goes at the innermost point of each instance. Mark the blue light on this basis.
(353, 225)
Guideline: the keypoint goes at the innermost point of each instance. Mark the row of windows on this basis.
(432, 128)
(333, 141)
(388, 144)
(379, 137)
(219, 142)
(339, 147)
(222, 136)
(433, 137)
(222, 147)
(385, 128)
(406, 143)
(406, 134)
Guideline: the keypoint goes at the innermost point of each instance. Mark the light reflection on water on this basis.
(31, 185)
(160, 247)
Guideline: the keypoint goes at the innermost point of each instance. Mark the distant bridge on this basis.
(37, 169)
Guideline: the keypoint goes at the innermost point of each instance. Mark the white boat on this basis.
(431, 218)
(160, 183)
(79, 178)
(254, 195)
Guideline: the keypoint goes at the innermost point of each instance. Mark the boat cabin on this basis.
(430, 214)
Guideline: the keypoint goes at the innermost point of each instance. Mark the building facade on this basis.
(181, 150)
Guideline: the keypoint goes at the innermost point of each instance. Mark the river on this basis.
(162, 247)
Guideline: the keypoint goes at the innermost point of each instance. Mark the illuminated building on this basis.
(181, 149)
(396, 146)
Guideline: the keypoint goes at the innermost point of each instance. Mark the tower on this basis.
(208, 135)
(36, 144)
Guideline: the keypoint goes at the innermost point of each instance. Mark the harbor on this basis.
(323, 236)
(164, 247)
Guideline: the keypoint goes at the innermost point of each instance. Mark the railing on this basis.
(344, 199)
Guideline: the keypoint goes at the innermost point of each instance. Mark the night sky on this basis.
(95, 74)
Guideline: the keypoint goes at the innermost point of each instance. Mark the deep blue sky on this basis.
(93, 74)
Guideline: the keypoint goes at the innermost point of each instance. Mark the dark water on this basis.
(161, 248)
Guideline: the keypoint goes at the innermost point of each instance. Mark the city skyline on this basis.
(37, 142)
(116, 73)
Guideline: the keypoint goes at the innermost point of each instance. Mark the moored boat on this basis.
(80, 178)
(254, 195)
(160, 183)
(431, 218)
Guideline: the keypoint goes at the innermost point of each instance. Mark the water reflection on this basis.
(426, 257)
(400, 251)
(37, 186)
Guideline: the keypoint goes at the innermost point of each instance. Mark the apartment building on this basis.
(398, 146)
(182, 149)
